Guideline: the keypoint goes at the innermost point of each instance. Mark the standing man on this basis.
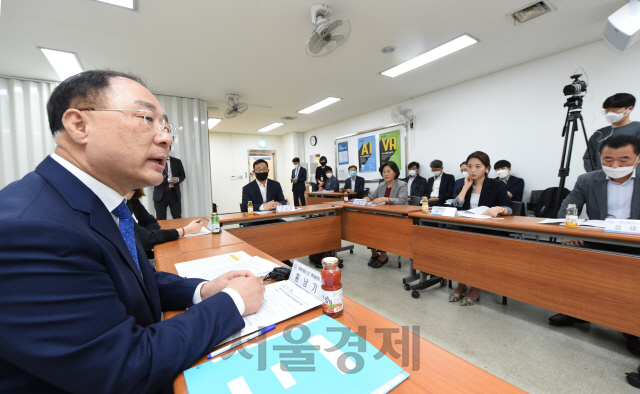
(515, 185)
(265, 194)
(440, 185)
(457, 187)
(81, 307)
(354, 183)
(168, 192)
(416, 184)
(298, 178)
(616, 110)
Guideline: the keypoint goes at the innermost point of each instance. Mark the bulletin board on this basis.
(369, 149)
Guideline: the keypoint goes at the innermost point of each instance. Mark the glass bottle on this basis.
(425, 205)
(332, 304)
(346, 196)
(250, 208)
(215, 223)
(572, 216)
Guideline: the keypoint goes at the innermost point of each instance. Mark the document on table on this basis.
(282, 301)
(203, 231)
(581, 222)
(478, 211)
(475, 216)
(263, 212)
(211, 267)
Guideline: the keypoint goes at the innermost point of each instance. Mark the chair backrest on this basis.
(365, 191)
(533, 200)
(516, 206)
(415, 200)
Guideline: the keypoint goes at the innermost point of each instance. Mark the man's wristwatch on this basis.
(504, 210)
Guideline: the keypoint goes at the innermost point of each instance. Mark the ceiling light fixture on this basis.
(319, 105)
(270, 127)
(211, 122)
(65, 64)
(120, 3)
(431, 55)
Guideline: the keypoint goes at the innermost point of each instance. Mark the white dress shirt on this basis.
(411, 179)
(111, 199)
(169, 174)
(436, 186)
(619, 197)
(474, 200)
(505, 180)
(263, 192)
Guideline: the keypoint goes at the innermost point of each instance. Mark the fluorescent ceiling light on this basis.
(211, 122)
(121, 3)
(320, 105)
(65, 64)
(434, 54)
(270, 127)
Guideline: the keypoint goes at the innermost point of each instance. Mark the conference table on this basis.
(431, 368)
(320, 197)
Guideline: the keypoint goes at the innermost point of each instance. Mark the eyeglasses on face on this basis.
(153, 120)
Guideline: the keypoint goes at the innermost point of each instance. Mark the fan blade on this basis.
(316, 44)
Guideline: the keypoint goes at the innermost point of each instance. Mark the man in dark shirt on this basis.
(515, 185)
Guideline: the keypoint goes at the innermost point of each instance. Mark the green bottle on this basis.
(214, 224)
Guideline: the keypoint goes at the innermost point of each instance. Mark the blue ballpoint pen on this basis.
(240, 342)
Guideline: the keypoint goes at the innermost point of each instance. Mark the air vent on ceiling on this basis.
(288, 118)
(531, 11)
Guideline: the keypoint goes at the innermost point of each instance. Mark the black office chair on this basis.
(517, 206)
(415, 200)
(533, 200)
(365, 191)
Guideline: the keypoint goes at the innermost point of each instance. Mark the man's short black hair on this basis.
(436, 164)
(83, 89)
(327, 169)
(255, 163)
(619, 141)
(393, 166)
(463, 163)
(501, 164)
(352, 166)
(414, 163)
(296, 160)
(619, 100)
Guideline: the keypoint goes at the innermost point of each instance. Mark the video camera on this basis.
(576, 87)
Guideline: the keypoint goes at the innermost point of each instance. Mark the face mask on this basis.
(465, 174)
(502, 173)
(329, 175)
(412, 172)
(436, 173)
(620, 172)
(613, 117)
(261, 176)
(323, 163)
(352, 173)
(296, 166)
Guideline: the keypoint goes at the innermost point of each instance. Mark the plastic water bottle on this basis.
(250, 208)
(346, 197)
(425, 205)
(572, 216)
(215, 223)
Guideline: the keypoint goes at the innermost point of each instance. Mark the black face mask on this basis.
(262, 175)
(323, 163)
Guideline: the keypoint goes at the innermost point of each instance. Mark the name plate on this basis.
(308, 279)
(625, 226)
(450, 212)
(285, 208)
(360, 201)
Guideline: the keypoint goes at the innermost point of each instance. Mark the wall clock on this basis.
(314, 140)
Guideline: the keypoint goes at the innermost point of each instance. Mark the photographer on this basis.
(616, 110)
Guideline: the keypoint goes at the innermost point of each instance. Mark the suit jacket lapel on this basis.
(599, 191)
(635, 200)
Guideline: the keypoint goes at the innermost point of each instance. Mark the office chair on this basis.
(415, 200)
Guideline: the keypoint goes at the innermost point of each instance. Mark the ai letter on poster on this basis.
(367, 154)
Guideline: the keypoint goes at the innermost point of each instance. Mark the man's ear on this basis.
(75, 125)
(631, 108)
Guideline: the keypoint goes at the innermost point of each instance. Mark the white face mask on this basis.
(465, 174)
(412, 172)
(329, 175)
(620, 172)
(502, 173)
(436, 173)
(613, 117)
(295, 166)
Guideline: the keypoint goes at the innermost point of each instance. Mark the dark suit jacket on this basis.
(591, 189)
(147, 229)
(515, 185)
(457, 187)
(331, 184)
(418, 186)
(494, 193)
(77, 315)
(177, 171)
(358, 188)
(446, 187)
(302, 178)
(251, 192)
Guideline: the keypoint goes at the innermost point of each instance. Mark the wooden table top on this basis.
(207, 241)
(243, 216)
(531, 224)
(387, 208)
(327, 194)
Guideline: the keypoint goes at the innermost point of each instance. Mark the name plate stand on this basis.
(285, 208)
(360, 201)
(308, 279)
(624, 226)
(450, 212)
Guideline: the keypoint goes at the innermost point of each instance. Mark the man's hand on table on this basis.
(245, 283)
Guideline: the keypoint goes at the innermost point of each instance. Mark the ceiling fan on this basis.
(327, 34)
(236, 108)
(403, 116)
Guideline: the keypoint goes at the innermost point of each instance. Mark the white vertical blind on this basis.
(25, 139)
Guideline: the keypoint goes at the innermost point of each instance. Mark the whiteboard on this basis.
(367, 149)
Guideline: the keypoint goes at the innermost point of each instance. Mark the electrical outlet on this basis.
(233, 177)
(239, 177)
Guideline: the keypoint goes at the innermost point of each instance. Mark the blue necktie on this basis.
(126, 229)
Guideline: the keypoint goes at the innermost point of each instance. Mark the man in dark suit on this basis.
(298, 178)
(265, 194)
(610, 192)
(168, 192)
(515, 185)
(81, 305)
(417, 185)
(457, 186)
(354, 183)
(440, 185)
(331, 183)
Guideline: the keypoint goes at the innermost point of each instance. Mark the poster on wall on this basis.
(390, 148)
(343, 153)
(367, 154)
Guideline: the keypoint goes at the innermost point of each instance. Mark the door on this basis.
(267, 155)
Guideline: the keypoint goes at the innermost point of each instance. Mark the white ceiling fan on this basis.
(236, 108)
(327, 34)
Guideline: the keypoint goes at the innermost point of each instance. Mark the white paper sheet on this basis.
(203, 231)
(475, 216)
(263, 212)
(581, 222)
(478, 211)
(211, 267)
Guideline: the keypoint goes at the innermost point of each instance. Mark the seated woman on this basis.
(147, 227)
(478, 191)
(391, 191)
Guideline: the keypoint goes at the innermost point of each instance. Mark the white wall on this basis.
(515, 114)
(228, 157)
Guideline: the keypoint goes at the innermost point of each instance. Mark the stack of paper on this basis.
(203, 231)
(211, 267)
(581, 222)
